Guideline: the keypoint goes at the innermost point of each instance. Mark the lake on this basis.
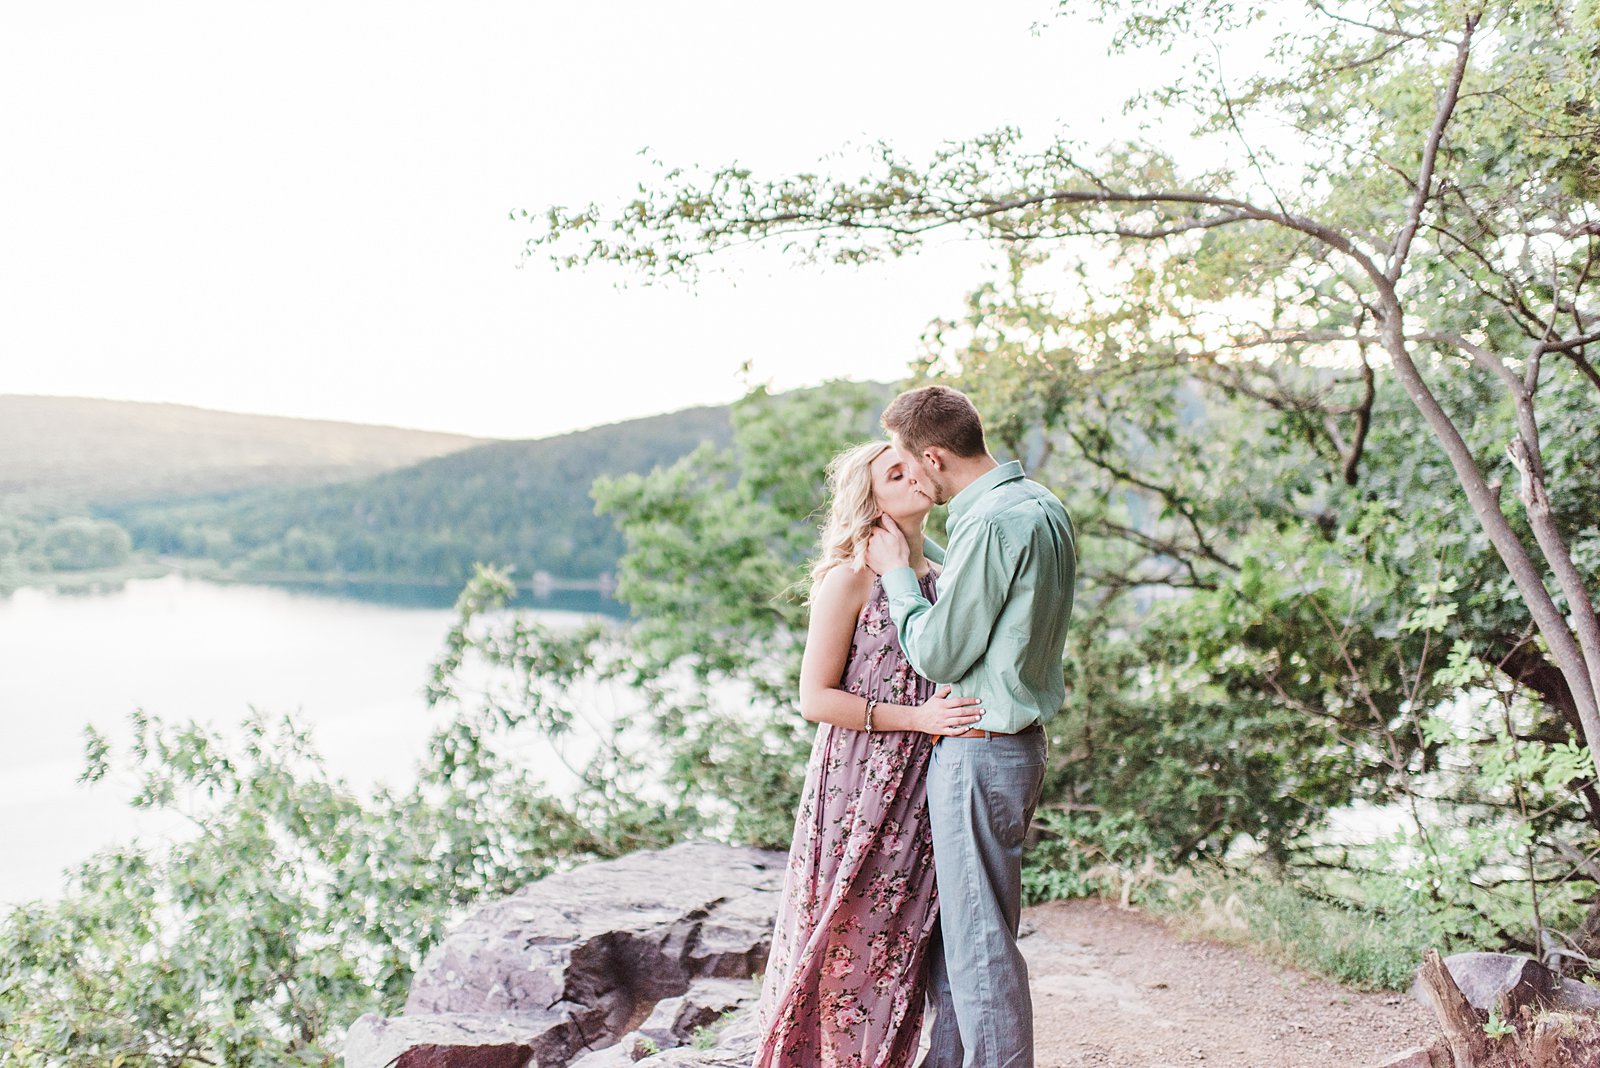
(349, 662)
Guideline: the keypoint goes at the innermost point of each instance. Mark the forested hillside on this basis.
(523, 504)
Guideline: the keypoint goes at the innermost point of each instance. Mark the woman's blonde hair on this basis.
(852, 510)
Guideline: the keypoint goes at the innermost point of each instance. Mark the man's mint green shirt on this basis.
(999, 626)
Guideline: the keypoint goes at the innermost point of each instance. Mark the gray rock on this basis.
(375, 1041)
(675, 1021)
(1483, 977)
(505, 1055)
(1575, 996)
(735, 1047)
(572, 962)
(555, 1037)
(621, 1055)
(648, 922)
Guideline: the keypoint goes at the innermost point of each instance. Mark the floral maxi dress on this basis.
(846, 979)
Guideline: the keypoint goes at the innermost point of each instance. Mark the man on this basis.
(997, 633)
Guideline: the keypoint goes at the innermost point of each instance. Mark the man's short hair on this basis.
(935, 416)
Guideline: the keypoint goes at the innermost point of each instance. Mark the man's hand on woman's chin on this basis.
(888, 549)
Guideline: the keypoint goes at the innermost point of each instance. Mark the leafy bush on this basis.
(1084, 855)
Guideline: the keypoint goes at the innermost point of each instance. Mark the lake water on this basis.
(349, 663)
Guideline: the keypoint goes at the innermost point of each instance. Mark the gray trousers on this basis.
(981, 797)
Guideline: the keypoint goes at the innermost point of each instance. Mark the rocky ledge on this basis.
(653, 953)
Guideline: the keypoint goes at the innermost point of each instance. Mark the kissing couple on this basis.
(930, 673)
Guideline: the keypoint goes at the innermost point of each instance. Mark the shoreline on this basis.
(108, 579)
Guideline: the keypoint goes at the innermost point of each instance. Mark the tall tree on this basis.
(1416, 182)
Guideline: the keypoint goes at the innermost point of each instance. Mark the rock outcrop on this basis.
(625, 956)
(1484, 977)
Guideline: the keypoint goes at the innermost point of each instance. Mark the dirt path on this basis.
(1120, 989)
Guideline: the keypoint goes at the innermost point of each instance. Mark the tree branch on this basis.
(1485, 505)
(1430, 151)
(1481, 356)
(1171, 496)
(1171, 550)
(1363, 419)
(1569, 345)
(1524, 456)
(1388, 31)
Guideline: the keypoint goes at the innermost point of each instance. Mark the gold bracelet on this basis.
(871, 704)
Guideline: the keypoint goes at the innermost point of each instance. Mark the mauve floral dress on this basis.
(846, 979)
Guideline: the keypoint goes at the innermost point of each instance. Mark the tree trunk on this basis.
(1485, 503)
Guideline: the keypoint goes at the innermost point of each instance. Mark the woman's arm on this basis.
(834, 613)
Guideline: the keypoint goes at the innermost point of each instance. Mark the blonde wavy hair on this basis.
(852, 510)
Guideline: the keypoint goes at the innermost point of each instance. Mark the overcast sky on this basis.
(301, 209)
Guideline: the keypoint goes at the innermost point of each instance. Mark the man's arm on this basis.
(823, 698)
(943, 640)
(933, 551)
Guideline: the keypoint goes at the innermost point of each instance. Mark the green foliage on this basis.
(1081, 855)
(706, 1037)
(707, 564)
(1238, 713)
(1495, 1026)
(35, 546)
(1261, 641)
(541, 685)
(79, 544)
(288, 909)
(717, 542)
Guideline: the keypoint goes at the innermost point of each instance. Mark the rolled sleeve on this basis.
(901, 583)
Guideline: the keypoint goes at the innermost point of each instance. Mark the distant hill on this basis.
(519, 503)
(65, 454)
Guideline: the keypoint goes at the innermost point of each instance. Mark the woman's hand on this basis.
(943, 714)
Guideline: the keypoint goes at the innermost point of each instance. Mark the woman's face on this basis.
(893, 489)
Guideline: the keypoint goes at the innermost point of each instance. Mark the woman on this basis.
(845, 982)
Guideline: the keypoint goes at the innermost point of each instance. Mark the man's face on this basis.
(925, 478)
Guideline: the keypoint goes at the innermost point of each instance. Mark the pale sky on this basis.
(301, 208)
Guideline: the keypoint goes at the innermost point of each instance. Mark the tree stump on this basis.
(1541, 1045)
(1458, 1020)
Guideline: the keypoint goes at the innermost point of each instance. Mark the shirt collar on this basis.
(962, 502)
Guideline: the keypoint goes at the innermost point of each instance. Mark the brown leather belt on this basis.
(978, 732)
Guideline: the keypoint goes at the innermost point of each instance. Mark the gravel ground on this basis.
(1121, 989)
